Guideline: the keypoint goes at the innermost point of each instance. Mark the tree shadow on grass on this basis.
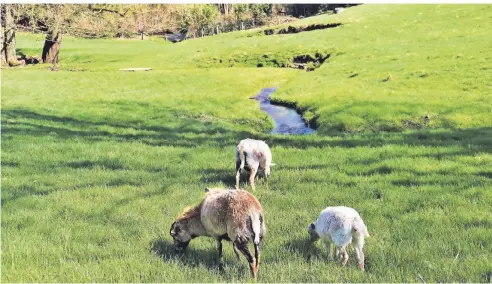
(181, 132)
(10, 164)
(112, 164)
(192, 132)
(13, 193)
(279, 167)
(227, 177)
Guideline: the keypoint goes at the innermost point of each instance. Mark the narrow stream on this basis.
(287, 120)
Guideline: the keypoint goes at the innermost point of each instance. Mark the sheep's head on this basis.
(180, 233)
(312, 232)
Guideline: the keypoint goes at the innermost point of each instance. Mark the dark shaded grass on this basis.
(26, 122)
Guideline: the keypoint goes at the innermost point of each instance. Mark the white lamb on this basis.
(253, 155)
(340, 225)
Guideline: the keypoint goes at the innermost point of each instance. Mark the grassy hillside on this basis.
(96, 163)
(390, 66)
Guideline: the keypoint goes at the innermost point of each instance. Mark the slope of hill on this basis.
(97, 162)
(389, 66)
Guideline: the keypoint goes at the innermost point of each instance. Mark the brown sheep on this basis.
(232, 215)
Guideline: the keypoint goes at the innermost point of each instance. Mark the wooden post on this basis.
(242, 26)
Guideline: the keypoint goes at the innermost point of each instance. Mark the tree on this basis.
(259, 13)
(197, 17)
(225, 9)
(240, 10)
(54, 19)
(8, 54)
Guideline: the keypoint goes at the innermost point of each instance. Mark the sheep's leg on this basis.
(344, 257)
(238, 176)
(266, 180)
(257, 256)
(337, 253)
(219, 249)
(243, 247)
(360, 255)
(236, 251)
(238, 173)
(328, 250)
(252, 174)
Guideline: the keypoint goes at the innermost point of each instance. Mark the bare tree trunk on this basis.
(51, 48)
(52, 43)
(3, 61)
(8, 41)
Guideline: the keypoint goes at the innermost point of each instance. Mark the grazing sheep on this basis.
(252, 155)
(232, 215)
(338, 225)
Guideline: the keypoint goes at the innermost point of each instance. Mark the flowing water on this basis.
(287, 120)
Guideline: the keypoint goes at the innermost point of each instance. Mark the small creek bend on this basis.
(287, 120)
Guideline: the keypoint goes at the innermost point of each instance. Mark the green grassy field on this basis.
(96, 163)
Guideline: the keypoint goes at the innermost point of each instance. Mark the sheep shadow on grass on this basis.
(190, 257)
(193, 257)
(310, 251)
(228, 177)
(305, 247)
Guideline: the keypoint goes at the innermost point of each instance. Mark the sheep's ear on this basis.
(272, 164)
(312, 226)
(172, 232)
(207, 189)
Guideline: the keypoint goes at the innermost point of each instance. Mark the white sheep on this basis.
(252, 155)
(340, 225)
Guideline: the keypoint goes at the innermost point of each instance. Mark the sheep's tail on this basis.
(242, 157)
(366, 234)
(360, 227)
(256, 226)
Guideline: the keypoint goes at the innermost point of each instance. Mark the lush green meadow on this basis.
(96, 163)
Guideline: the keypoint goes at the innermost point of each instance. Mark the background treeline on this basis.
(120, 20)
(132, 20)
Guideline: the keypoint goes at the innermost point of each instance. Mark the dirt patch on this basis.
(294, 29)
(308, 62)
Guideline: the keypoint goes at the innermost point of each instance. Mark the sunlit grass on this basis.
(96, 163)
